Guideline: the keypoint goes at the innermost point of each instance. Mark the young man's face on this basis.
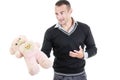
(63, 14)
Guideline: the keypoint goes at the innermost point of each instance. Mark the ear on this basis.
(23, 37)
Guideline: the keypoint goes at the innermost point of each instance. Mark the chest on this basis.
(61, 39)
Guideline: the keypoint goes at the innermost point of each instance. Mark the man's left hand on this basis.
(77, 54)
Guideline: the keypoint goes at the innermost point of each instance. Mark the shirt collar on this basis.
(59, 26)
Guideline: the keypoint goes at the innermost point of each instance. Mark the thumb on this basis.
(80, 47)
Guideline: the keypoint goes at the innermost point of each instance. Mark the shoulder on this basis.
(83, 26)
(51, 29)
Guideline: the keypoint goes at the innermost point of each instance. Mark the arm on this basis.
(90, 50)
(47, 44)
(90, 44)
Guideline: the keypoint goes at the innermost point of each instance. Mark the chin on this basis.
(62, 23)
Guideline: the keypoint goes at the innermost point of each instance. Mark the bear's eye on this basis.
(19, 38)
(16, 44)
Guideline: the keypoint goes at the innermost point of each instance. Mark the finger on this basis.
(72, 54)
(76, 51)
(80, 47)
(81, 50)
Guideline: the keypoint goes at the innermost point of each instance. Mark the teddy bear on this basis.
(14, 48)
(31, 53)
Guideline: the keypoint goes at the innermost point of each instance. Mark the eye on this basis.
(16, 43)
(19, 38)
(56, 13)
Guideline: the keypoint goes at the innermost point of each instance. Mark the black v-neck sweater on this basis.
(62, 43)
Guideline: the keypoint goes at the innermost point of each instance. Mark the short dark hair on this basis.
(63, 2)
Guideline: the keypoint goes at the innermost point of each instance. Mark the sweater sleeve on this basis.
(47, 44)
(90, 44)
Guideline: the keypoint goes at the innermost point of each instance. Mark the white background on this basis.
(33, 17)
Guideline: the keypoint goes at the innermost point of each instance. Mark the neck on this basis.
(68, 25)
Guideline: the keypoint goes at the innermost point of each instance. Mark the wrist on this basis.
(85, 55)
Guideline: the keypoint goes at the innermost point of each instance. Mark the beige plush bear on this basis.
(32, 55)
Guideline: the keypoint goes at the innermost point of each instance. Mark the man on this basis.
(71, 41)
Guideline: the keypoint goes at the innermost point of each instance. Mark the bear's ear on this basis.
(23, 37)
